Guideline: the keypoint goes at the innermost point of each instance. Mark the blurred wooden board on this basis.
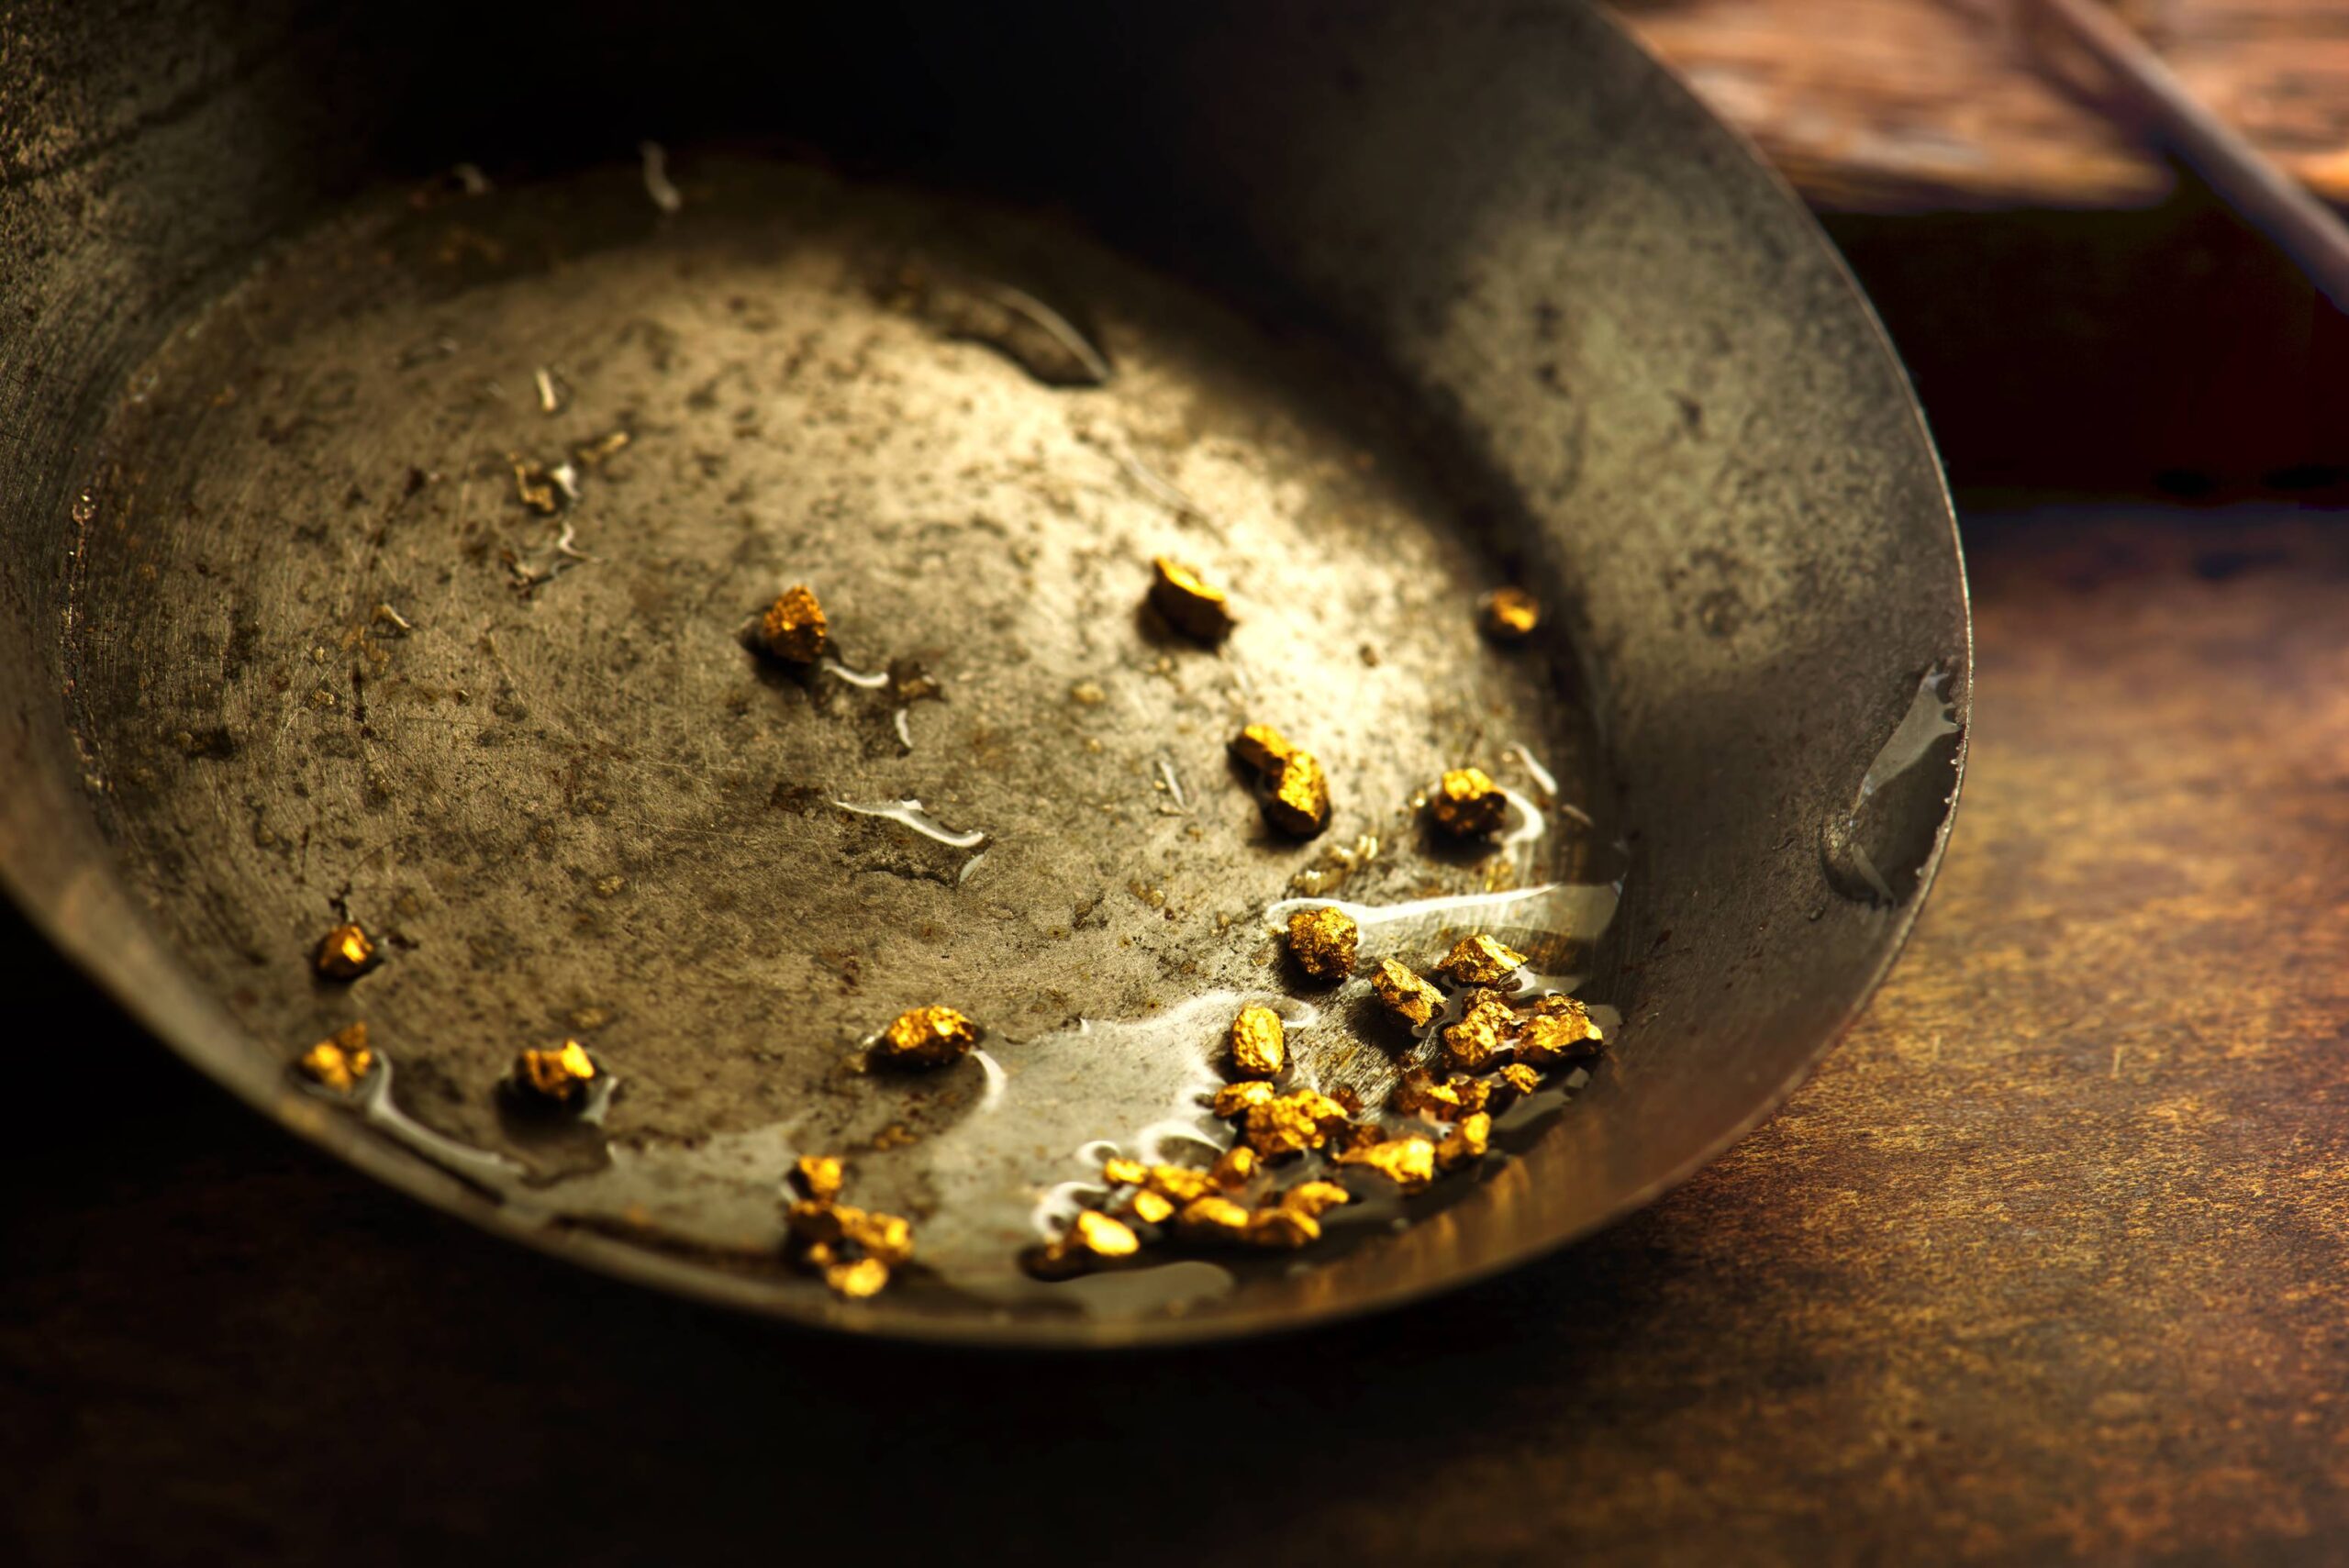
(1879, 105)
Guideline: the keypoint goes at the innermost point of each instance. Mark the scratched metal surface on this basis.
(1416, 302)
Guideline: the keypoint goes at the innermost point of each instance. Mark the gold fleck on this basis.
(1235, 1168)
(1298, 804)
(856, 1280)
(1323, 941)
(1179, 1184)
(345, 953)
(1520, 1077)
(1483, 1032)
(1509, 615)
(818, 1177)
(340, 1062)
(1258, 1047)
(558, 1076)
(1404, 993)
(1100, 1236)
(1420, 1095)
(1288, 1229)
(1316, 1198)
(1124, 1173)
(1212, 1219)
(1558, 1030)
(1235, 1099)
(1293, 1123)
(1467, 803)
(793, 628)
(1263, 750)
(1188, 603)
(1480, 961)
(1409, 1162)
(924, 1037)
(1150, 1208)
(1089, 693)
(1468, 1143)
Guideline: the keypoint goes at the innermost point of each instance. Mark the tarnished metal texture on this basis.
(329, 590)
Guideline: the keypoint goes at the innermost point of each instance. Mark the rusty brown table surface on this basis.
(2050, 1261)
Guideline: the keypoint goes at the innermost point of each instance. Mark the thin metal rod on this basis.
(2303, 227)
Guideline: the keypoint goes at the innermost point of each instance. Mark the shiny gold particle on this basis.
(857, 1281)
(1150, 1208)
(925, 1038)
(887, 1237)
(534, 486)
(1520, 1077)
(1409, 1162)
(1234, 1099)
(1468, 1143)
(1259, 1045)
(557, 1077)
(818, 1177)
(1323, 941)
(1404, 993)
(1299, 802)
(1188, 603)
(1212, 1219)
(1509, 615)
(1124, 1173)
(1559, 1029)
(1098, 1236)
(1292, 1123)
(1481, 1034)
(1480, 961)
(1263, 750)
(340, 1062)
(794, 628)
(1467, 803)
(1316, 1198)
(1420, 1095)
(1180, 1184)
(345, 953)
(1286, 1228)
(1234, 1168)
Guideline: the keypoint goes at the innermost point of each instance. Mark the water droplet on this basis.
(913, 814)
(1874, 850)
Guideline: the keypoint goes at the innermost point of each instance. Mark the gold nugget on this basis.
(1480, 1035)
(1299, 802)
(1468, 1143)
(1287, 1229)
(1235, 1168)
(925, 1038)
(1189, 605)
(887, 1237)
(1236, 1100)
(557, 1077)
(856, 1280)
(1124, 1173)
(1467, 803)
(1150, 1208)
(1323, 941)
(1212, 1219)
(818, 1177)
(1558, 1030)
(1404, 993)
(1520, 1077)
(1480, 961)
(1316, 1198)
(345, 953)
(1180, 1184)
(1409, 1162)
(1509, 615)
(340, 1062)
(793, 628)
(1259, 1045)
(1419, 1095)
(1098, 1236)
(1293, 1123)
(1263, 750)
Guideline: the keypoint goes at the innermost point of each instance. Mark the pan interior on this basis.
(331, 656)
